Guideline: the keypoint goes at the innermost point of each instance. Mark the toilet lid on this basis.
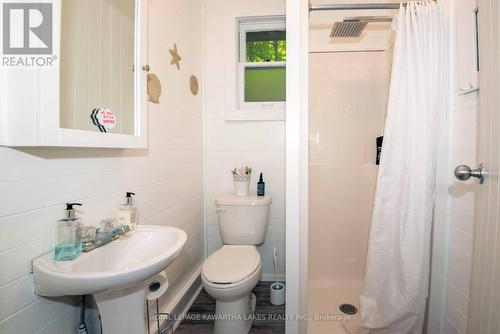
(231, 264)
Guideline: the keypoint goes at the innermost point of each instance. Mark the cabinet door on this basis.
(92, 92)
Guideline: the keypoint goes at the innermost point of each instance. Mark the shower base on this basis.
(325, 302)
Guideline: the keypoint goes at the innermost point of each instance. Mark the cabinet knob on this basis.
(146, 68)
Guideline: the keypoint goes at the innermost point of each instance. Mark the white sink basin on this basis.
(113, 273)
(117, 265)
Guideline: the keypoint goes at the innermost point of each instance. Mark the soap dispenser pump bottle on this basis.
(127, 213)
(261, 186)
(68, 244)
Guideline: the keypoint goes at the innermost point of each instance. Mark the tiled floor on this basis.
(205, 304)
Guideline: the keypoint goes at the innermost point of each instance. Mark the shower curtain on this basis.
(393, 298)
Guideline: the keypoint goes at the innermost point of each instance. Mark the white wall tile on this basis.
(463, 196)
(462, 202)
(462, 221)
(463, 150)
(65, 324)
(16, 295)
(458, 299)
(460, 260)
(36, 316)
(167, 177)
(459, 280)
(449, 328)
(260, 145)
(461, 241)
(16, 262)
(458, 320)
(464, 139)
(464, 118)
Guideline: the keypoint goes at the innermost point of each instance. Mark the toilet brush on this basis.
(275, 262)
(277, 288)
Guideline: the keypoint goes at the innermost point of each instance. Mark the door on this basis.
(485, 297)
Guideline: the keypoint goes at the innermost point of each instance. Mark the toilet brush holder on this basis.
(277, 293)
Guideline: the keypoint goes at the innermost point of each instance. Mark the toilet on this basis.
(230, 273)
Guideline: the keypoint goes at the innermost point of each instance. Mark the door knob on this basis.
(464, 172)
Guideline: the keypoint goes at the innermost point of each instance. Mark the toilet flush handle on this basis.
(220, 211)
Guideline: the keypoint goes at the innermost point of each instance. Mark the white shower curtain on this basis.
(393, 298)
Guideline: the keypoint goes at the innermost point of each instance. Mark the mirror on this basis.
(97, 88)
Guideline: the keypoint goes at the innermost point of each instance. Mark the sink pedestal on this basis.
(123, 311)
(115, 274)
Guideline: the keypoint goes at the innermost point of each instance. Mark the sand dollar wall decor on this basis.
(193, 85)
(154, 88)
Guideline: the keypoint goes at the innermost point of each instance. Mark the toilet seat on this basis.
(231, 264)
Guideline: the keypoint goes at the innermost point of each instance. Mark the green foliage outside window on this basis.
(266, 46)
(265, 51)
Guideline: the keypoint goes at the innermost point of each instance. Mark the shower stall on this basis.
(349, 77)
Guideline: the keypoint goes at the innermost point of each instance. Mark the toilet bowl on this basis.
(230, 273)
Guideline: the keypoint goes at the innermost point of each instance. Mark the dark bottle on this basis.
(380, 141)
(261, 186)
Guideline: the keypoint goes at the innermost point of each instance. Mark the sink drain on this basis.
(348, 309)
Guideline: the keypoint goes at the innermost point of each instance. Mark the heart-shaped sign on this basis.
(103, 118)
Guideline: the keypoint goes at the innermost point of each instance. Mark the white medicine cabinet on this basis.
(74, 74)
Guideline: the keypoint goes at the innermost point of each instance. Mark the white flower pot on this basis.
(241, 185)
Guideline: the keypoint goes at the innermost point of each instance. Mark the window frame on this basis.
(266, 110)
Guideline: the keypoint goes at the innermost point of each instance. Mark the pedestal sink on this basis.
(114, 274)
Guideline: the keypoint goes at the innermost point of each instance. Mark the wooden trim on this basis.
(297, 162)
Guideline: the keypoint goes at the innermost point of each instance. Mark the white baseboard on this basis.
(184, 299)
(197, 289)
(182, 292)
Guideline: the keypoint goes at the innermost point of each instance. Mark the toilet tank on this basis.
(243, 220)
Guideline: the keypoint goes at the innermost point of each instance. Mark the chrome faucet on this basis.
(93, 237)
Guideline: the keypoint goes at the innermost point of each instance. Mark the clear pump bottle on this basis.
(127, 213)
(68, 244)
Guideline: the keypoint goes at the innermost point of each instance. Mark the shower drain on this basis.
(348, 309)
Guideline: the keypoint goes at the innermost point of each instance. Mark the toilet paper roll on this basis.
(156, 286)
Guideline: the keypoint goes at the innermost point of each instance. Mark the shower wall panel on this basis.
(348, 102)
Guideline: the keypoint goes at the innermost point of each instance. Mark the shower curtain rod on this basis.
(354, 6)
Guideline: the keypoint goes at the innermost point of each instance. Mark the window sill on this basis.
(256, 115)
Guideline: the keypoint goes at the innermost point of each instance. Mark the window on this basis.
(262, 64)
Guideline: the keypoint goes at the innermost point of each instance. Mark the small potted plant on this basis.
(241, 178)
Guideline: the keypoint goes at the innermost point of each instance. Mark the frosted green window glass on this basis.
(265, 84)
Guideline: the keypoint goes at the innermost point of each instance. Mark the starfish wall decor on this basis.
(175, 57)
